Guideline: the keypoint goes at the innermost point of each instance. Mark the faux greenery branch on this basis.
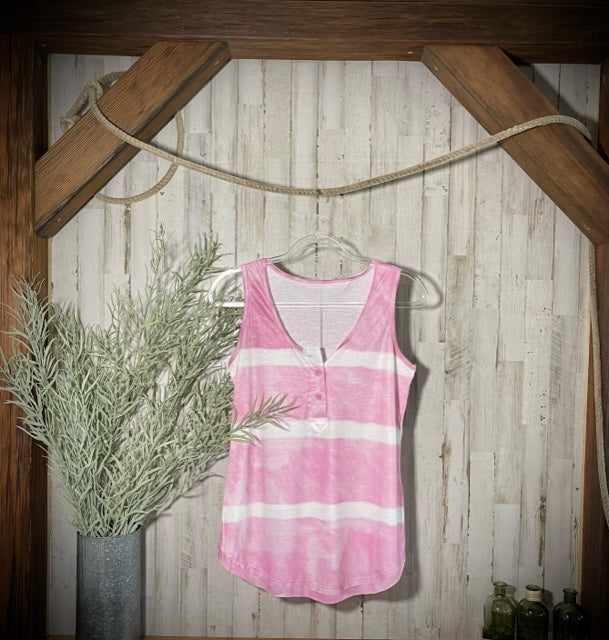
(132, 415)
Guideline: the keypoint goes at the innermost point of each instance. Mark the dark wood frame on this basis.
(545, 31)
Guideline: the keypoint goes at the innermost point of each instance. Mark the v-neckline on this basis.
(267, 263)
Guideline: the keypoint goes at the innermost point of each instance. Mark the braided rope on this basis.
(173, 167)
(76, 112)
(597, 386)
(78, 108)
(331, 191)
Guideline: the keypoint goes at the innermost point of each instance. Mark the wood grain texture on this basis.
(595, 579)
(23, 543)
(556, 31)
(603, 115)
(602, 260)
(556, 157)
(489, 463)
(161, 82)
(595, 539)
(595, 533)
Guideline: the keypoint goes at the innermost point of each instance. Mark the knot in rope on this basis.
(91, 93)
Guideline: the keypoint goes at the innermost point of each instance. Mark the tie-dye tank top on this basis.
(315, 508)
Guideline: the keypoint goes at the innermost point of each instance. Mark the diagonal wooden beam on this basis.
(141, 102)
(557, 157)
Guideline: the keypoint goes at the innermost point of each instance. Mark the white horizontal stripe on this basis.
(320, 428)
(379, 361)
(319, 510)
(268, 358)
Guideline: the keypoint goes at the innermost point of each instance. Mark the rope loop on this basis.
(92, 92)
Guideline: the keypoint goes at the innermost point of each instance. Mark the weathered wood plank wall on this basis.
(492, 461)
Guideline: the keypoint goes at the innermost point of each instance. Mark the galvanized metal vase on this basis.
(108, 589)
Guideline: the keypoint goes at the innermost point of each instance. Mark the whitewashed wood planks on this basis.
(492, 441)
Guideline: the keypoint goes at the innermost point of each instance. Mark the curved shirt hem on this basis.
(289, 589)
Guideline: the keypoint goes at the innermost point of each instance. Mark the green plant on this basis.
(131, 414)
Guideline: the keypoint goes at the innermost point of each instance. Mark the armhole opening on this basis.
(244, 320)
(394, 335)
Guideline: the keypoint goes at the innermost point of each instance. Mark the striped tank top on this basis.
(316, 509)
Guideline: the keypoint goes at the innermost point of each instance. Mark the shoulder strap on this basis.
(385, 287)
(255, 289)
(259, 309)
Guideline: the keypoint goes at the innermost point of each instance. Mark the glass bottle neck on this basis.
(533, 593)
(500, 589)
(570, 595)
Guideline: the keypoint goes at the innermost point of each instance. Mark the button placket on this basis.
(317, 396)
(317, 401)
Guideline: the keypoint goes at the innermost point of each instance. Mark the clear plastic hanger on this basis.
(303, 247)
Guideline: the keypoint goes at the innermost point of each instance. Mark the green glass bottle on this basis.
(532, 615)
(499, 614)
(570, 619)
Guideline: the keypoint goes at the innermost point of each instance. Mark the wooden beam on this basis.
(141, 102)
(557, 157)
(23, 514)
(542, 31)
(594, 531)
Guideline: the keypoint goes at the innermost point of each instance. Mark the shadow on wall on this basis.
(408, 585)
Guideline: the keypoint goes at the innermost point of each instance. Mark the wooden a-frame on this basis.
(467, 50)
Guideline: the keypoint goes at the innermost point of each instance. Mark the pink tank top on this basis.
(316, 509)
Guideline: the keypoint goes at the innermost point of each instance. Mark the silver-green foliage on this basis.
(132, 414)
